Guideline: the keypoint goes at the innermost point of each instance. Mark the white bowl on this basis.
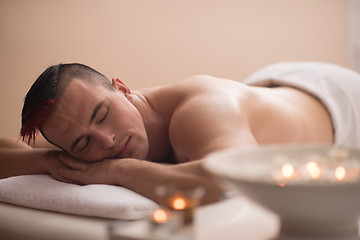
(318, 205)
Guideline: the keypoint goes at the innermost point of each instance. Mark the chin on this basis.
(141, 153)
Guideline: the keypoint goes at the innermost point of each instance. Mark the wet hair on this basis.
(43, 95)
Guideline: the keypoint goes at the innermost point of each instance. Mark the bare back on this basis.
(289, 116)
(205, 114)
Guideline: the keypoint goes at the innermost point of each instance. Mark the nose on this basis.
(105, 138)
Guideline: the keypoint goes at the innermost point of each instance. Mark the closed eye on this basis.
(104, 117)
(86, 144)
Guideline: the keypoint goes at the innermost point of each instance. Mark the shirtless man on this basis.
(101, 132)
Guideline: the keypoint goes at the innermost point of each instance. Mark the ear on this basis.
(120, 86)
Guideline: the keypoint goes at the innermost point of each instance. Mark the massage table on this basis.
(235, 216)
(22, 223)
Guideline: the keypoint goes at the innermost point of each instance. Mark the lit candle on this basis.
(286, 174)
(160, 216)
(163, 222)
(184, 205)
(287, 170)
(340, 173)
(181, 201)
(313, 169)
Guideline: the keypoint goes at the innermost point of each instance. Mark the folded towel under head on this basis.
(97, 200)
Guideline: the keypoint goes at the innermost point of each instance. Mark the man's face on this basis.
(93, 123)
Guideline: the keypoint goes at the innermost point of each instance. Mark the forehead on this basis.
(77, 86)
(72, 112)
(78, 96)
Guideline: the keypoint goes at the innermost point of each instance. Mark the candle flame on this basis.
(313, 169)
(287, 170)
(179, 203)
(340, 173)
(160, 216)
(282, 184)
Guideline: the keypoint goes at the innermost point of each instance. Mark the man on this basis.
(103, 132)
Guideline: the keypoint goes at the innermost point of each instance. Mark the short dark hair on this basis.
(41, 99)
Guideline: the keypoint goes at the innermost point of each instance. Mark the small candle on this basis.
(287, 170)
(163, 222)
(340, 173)
(160, 216)
(184, 205)
(182, 201)
(179, 203)
(286, 173)
(313, 169)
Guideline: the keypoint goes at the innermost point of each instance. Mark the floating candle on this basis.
(287, 170)
(313, 169)
(340, 173)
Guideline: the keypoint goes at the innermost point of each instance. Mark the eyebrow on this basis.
(93, 115)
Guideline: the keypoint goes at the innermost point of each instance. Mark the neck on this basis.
(156, 128)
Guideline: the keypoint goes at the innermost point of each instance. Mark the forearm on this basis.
(16, 158)
(143, 177)
(140, 176)
(21, 162)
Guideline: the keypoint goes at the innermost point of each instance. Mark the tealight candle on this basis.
(183, 201)
(286, 174)
(160, 216)
(340, 173)
(184, 205)
(287, 170)
(313, 169)
(164, 222)
(335, 167)
(179, 203)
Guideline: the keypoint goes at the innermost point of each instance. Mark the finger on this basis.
(72, 176)
(72, 163)
(63, 179)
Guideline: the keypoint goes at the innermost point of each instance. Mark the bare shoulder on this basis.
(206, 83)
(191, 93)
(209, 117)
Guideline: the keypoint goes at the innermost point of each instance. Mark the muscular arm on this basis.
(17, 158)
(210, 122)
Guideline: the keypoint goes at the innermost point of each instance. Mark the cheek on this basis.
(127, 119)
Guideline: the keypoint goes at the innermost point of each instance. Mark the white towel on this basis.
(97, 200)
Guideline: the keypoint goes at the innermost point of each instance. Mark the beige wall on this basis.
(147, 43)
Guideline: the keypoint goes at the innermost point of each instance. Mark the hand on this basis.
(83, 172)
(52, 164)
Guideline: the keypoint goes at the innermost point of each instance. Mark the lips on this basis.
(124, 150)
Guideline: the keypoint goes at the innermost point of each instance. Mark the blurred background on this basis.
(149, 43)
